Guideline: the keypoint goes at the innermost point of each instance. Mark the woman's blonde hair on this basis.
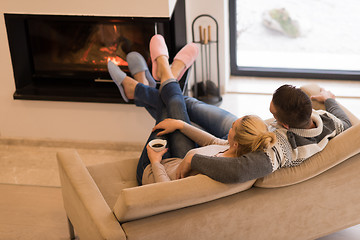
(253, 135)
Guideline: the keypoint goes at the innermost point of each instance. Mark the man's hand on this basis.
(169, 125)
(185, 167)
(155, 157)
(324, 94)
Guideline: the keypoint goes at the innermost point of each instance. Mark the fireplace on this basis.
(64, 58)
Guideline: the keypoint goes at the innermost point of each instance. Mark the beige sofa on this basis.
(314, 199)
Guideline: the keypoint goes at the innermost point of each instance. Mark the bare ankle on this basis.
(129, 85)
(140, 77)
(163, 70)
(162, 61)
(177, 67)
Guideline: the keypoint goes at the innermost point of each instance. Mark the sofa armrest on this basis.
(85, 206)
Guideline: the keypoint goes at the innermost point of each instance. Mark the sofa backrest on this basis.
(147, 200)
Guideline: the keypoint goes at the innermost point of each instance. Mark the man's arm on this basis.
(331, 106)
(230, 170)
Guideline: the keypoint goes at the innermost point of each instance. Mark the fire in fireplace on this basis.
(64, 58)
(61, 47)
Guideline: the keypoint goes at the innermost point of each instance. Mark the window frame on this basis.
(278, 72)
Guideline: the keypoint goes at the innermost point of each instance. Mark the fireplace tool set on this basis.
(208, 88)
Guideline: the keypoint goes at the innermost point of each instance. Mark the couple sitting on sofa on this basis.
(252, 149)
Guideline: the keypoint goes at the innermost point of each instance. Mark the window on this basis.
(291, 38)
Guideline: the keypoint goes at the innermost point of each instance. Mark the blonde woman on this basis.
(247, 134)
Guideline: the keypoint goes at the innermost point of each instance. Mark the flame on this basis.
(95, 53)
(86, 53)
(118, 61)
(109, 50)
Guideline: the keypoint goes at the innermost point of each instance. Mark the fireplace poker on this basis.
(202, 86)
(206, 59)
(209, 46)
(211, 88)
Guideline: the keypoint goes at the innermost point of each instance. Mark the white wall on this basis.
(85, 121)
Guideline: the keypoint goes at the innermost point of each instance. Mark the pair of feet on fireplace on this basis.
(161, 69)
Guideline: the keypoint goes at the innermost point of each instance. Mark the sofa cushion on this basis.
(143, 201)
(112, 177)
(340, 148)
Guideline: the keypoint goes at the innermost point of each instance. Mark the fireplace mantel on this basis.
(123, 8)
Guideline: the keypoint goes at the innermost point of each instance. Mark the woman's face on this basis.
(231, 134)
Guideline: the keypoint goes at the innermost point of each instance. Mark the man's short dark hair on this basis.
(293, 106)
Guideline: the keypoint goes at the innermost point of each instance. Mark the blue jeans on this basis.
(212, 119)
(169, 103)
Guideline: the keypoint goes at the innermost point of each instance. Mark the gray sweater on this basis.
(293, 146)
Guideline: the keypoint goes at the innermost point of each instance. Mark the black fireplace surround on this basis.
(64, 58)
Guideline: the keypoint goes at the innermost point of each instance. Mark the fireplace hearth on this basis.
(64, 58)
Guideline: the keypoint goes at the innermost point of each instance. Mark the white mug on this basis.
(158, 144)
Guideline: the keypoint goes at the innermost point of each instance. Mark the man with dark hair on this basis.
(300, 131)
(295, 111)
